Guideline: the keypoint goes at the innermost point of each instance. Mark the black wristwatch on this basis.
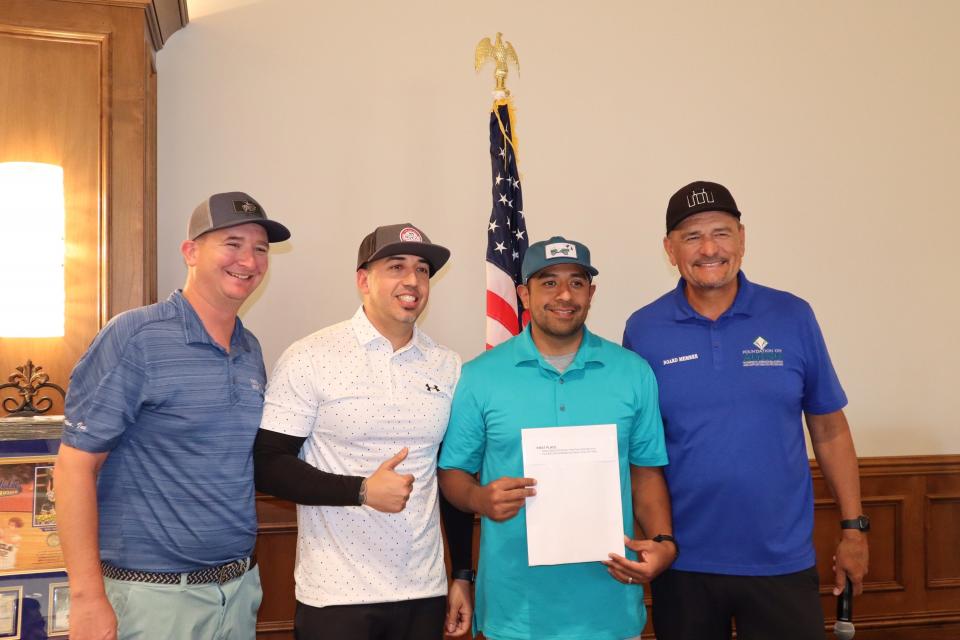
(665, 538)
(465, 574)
(861, 523)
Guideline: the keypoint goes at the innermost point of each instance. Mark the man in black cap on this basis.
(154, 476)
(737, 364)
(352, 424)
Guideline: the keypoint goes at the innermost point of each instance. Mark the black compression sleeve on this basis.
(458, 525)
(279, 472)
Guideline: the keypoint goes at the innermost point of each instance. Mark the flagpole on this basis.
(506, 228)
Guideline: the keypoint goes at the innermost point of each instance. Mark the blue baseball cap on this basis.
(556, 250)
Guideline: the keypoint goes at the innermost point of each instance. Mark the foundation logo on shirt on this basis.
(762, 356)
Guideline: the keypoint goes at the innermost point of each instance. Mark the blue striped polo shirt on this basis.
(178, 415)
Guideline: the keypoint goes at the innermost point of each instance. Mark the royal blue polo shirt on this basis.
(732, 395)
(512, 387)
(178, 416)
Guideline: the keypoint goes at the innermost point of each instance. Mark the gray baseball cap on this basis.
(556, 250)
(222, 210)
(401, 239)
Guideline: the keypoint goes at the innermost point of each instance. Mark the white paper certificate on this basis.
(576, 515)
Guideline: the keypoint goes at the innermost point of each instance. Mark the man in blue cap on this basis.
(738, 365)
(554, 374)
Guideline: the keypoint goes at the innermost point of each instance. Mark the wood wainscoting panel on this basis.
(943, 543)
(276, 554)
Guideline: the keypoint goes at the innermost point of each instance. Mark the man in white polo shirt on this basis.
(353, 419)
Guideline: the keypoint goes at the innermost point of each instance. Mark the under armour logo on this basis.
(699, 197)
(432, 387)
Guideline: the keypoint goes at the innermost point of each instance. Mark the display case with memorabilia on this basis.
(34, 596)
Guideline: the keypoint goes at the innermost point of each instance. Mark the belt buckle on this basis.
(224, 573)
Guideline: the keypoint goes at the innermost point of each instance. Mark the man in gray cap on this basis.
(155, 472)
(353, 419)
(557, 374)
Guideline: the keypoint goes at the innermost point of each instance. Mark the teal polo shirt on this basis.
(510, 388)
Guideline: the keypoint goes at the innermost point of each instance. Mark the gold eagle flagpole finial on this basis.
(502, 53)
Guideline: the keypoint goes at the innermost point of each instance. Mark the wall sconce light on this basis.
(32, 250)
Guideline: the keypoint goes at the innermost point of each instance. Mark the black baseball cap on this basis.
(698, 197)
(401, 239)
(231, 209)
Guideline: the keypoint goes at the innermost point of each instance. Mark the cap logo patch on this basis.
(560, 250)
(409, 234)
(700, 197)
(246, 207)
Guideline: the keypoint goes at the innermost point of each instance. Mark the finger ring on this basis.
(629, 580)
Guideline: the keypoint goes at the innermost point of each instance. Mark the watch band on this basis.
(362, 496)
(861, 523)
(663, 537)
(465, 574)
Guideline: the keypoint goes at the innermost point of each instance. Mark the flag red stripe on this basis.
(500, 310)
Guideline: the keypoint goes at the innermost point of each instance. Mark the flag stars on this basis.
(516, 183)
(503, 199)
(493, 225)
(500, 179)
(500, 248)
(516, 256)
(519, 234)
(503, 152)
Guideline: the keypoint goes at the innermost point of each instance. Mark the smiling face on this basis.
(225, 266)
(395, 291)
(707, 248)
(558, 298)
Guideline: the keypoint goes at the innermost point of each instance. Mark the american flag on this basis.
(506, 231)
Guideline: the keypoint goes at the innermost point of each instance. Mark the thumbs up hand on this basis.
(387, 490)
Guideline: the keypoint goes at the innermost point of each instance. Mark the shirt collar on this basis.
(195, 333)
(366, 333)
(742, 303)
(525, 352)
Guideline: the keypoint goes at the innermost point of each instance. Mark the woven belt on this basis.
(210, 575)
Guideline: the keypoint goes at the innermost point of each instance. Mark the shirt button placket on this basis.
(561, 404)
(716, 346)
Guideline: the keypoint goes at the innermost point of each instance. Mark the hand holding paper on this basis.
(503, 498)
(652, 559)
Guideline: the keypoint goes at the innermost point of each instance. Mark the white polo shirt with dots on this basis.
(358, 402)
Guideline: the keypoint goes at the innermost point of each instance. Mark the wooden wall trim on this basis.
(902, 465)
(164, 17)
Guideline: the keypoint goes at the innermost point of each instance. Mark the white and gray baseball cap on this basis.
(222, 210)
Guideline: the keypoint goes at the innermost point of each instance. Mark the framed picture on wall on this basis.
(29, 542)
(11, 606)
(58, 618)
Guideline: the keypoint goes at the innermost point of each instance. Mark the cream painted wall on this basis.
(834, 124)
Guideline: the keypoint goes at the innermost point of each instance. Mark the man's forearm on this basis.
(458, 526)
(279, 471)
(835, 453)
(459, 488)
(651, 501)
(75, 476)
